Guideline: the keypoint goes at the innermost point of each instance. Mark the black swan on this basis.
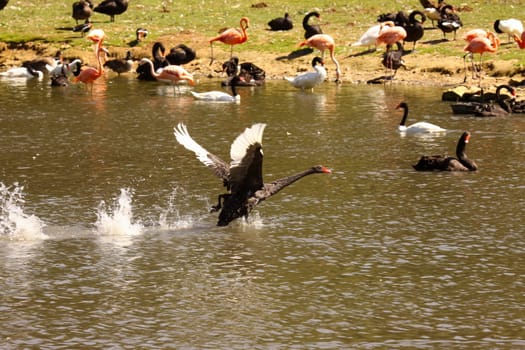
(112, 8)
(487, 109)
(443, 163)
(281, 23)
(243, 176)
(82, 10)
(120, 65)
(414, 27)
(3, 3)
(449, 22)
(311, 29)
(181, 54)
(159, 61)
(393, 59)
(250, 74)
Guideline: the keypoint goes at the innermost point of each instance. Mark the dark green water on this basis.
(373, 256)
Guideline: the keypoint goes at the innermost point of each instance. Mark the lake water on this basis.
(106, 241)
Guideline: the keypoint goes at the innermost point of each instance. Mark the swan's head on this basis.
(321, 169)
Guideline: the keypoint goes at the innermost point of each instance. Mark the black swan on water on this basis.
(243, 176)
(281, 23)
(112, 8)
(311, 29)
(488, 109)
(443, 163)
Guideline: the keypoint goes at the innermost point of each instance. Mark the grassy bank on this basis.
(49, 23)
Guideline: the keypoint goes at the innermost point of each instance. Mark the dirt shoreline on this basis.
(356, 65)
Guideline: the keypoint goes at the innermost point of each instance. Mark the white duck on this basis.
(22, 72)
(220, 96)
(419, 127)
(369, 37)
(310, 79)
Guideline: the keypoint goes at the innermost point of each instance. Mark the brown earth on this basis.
(356, 65)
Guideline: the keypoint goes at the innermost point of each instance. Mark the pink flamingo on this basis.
(480, 45)
(389, 34)
(232, 36)
(171, 73)
(324, 42)
(90, 74)
(520, 40)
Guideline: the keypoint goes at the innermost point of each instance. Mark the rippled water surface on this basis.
(106, 241)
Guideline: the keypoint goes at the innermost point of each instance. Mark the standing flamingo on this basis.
(480, 45)
(90, 74)
(232, 36)
(520, 40)
(324, 42)
(171, 73)
(389, 34)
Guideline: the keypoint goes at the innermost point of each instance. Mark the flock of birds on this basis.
(242, 176)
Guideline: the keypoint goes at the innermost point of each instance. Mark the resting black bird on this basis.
(449, 22)
(503, 106)
(243, 176)
(112, 8)
(82, 9)
(281, 23)
(3, 3)
(249, 73)
(311, 29)
(181, 54)
(443, 163)
(157, 52)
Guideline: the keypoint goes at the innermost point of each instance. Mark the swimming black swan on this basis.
(112, 8)
(250, 74)
(443, 163)
(243, 176)
(487, 109)
(120, 65)
(311, 29)
(281, 23)
(181, 54)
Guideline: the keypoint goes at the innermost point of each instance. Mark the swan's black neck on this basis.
(405, 114)
(460, 152)
(307, 18)
(500, 100)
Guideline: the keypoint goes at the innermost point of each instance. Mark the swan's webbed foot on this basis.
(218, 207)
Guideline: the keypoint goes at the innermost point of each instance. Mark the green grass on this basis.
(50, 21)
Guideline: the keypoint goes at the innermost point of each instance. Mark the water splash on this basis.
(118, 221)
(14, 222)
(171, 218)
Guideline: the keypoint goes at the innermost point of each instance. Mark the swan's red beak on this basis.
(326, 170)
(467, 138)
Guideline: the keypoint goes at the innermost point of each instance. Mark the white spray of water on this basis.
(15, 224)
(171, 218)
(118, 221)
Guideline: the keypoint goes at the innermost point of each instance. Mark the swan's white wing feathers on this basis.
(249, 137)
(220, 168)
